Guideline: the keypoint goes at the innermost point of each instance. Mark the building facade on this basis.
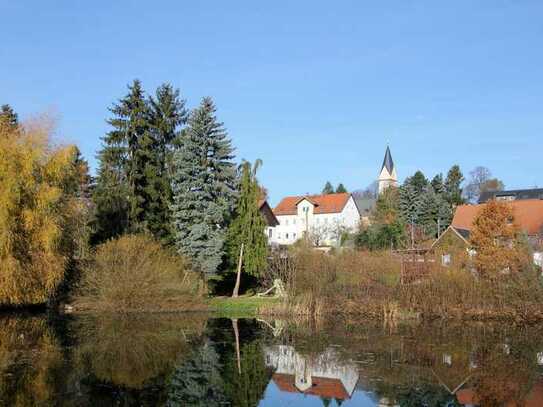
(320, 218)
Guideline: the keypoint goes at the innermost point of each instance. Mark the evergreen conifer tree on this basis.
(118, 196)
(167, 113)
(452, 186)
(410, 204)
(248, 226)
(418, 181)
(437, 184)
(8, 116)
(203, 184)
(341, 189)
(328, 188)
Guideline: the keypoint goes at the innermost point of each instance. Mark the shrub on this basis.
(134, 272)
(40, 215)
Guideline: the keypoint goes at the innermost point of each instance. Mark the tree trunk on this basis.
(238, 277)
(236, 334)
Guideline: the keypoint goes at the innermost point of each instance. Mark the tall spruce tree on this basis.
(119, 196)
(453, 187)
(418, 181)
(248, 226)
(203, 183)
(328, 188)
(8, 116)
(410, 204)
(167, 113)
(437, 184)
(341, 189)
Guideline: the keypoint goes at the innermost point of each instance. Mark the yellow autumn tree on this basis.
(495, 237)
(40, 213)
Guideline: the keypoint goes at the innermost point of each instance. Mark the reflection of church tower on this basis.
(387, 176)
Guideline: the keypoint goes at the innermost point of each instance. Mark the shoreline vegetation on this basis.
(155, 232)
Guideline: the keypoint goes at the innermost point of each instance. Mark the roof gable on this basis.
(528, 215)
(328, 203)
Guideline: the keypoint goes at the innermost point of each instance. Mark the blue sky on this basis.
(315, 89)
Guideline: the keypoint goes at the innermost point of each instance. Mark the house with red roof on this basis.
(321, 218)
(528, 215)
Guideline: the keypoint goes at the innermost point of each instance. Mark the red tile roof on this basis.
(329, 203)
(528, 215)
(322, 386)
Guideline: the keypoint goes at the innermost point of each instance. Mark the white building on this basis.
(322, 218)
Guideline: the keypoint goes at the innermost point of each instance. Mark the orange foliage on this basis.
(37, 214)
(495, 237)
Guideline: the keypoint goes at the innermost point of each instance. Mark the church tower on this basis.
(387, 176)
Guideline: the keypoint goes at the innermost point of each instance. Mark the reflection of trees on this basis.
(211, 376)
(197, 381)
(428, 364)
(131, 350)
(246, 388)
(30, 362)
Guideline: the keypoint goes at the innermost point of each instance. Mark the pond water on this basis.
(180, 360)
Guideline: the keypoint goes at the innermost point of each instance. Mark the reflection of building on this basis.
(325, 375)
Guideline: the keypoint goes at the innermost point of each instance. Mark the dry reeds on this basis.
(368, 284)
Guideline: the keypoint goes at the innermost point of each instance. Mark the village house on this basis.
(269, 217)
(323, 219)
(454, 242)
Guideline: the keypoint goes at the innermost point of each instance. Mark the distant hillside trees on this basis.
(204, 188)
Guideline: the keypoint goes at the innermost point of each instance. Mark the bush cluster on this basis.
(135, 272)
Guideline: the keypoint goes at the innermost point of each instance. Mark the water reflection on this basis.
(180, 360)
(30, 362)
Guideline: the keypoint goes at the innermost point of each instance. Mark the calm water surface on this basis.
(173, 360)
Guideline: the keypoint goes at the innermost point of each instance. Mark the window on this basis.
(286, 222)
(293, 221)
(446, 260)
(279, 236)
(270, 233)
(286, 236)
(294, 236)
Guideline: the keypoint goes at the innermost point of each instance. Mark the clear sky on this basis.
(315, 89)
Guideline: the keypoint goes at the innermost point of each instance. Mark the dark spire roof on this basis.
(387, 162)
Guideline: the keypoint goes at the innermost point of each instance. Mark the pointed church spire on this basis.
(387, 162)
(387, 176)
